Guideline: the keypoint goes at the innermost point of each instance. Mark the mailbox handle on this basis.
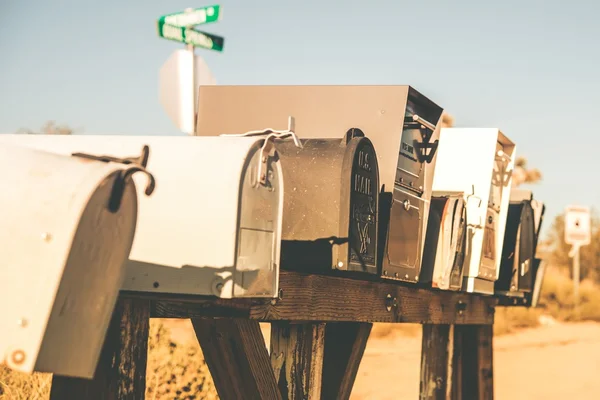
(268, 146)
(423, 122)
(138, 164)
(270, 132)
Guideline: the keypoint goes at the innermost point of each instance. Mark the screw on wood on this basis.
(18, 357)
(390, 302)
(461, 306)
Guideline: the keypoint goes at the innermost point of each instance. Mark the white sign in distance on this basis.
(578, 230)
(179, 78)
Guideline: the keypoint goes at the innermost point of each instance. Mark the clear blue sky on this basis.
(530, 68)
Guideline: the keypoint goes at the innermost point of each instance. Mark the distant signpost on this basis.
(187, 71)
(578, 232)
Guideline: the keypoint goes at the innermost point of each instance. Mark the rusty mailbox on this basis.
(519, 265)
(401, 123)
(478, 162)
(68, 224)
(446, 240)
(213, 224)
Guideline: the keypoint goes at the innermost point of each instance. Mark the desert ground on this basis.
(552, 362)
(555, 362)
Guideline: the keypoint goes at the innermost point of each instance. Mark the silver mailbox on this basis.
(401, 123)
(68, 225)
(212, 226)
(446, 241)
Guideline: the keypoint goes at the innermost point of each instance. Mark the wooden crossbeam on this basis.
(235, 352)
(335, 299)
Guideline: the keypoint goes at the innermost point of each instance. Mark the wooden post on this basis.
(434, 362)
(237, 357)
(473, 373)
(121, 370)
(297, 359)
(345, 344)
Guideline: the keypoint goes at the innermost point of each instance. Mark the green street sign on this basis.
(191, 36)
(197, 16)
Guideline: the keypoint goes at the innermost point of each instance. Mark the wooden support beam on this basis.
(121, 370)
(472, 368)
(297, 359)
(345, 344)
(318, 298)
(434, 362)
(236, 354)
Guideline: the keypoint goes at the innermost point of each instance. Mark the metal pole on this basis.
(576, 277)
(190, 47)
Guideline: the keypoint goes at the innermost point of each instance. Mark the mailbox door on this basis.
(404, 237)
(487, 268)
(364, 190)
(525, 249)
(258, 243)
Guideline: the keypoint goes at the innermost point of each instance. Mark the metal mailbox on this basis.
(402, 124)
(519, 265)
(518, 251)
(330, 204)
(445, 244)
(68, 225)
(213, 225)
(479, 162)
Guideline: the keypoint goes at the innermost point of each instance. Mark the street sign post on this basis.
(180, 102)
(578, 233)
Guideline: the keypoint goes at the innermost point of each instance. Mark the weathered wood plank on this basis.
(326, 298)
(236, 354)
(434, 362)
(345, 344)
(473, 373)
(121, 370)
(297, 359)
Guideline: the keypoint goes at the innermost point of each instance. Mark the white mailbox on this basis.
(479, 162)
(445, 243)
(67, 226)
(212, 226)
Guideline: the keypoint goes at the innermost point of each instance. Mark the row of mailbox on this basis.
(363, 181)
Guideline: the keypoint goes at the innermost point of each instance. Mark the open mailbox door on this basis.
(402, 124)
(212, 225)
(518, 252)
(446, 240)
(68, 223)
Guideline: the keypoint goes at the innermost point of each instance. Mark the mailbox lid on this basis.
(64, 260)
(189, 228)
(320, 111)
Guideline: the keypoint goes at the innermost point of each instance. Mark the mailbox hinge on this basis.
(138, 164)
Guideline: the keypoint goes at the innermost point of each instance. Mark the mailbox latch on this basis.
(138, 164)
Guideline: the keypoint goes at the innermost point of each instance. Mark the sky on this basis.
(529, 68)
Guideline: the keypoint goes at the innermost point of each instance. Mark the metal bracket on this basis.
(138, 164)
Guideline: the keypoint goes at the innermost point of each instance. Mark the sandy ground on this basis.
(554, 362)
(557, 362)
